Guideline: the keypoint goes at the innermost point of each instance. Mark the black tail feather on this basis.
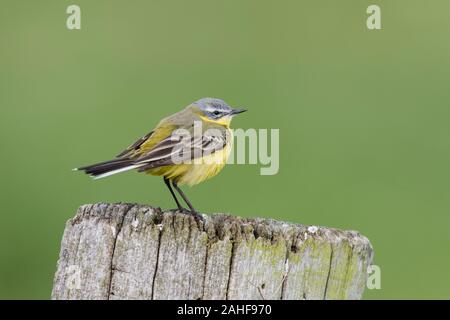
(106, 166)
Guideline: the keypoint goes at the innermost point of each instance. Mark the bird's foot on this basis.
(197, 216)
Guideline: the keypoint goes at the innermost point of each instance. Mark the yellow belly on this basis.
(197, 171)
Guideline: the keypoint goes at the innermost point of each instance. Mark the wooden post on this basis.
(129, 251)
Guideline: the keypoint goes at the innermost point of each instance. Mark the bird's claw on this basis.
(197, 216)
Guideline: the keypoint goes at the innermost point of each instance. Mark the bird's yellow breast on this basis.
(198, 170)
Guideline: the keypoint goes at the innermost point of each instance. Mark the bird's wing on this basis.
(177, 149)
(145, 144)
(133, 148)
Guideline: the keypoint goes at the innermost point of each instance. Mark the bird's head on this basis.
(215, 110)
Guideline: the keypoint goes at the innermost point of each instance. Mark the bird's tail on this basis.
(108, 168)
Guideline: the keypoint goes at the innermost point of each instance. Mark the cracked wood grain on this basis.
(129, 251)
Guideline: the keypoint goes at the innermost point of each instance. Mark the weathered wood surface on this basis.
(128, 251)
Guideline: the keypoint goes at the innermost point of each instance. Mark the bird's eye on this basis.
(216, 113)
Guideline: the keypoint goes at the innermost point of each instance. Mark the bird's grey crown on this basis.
(214, 108)
(208, 104)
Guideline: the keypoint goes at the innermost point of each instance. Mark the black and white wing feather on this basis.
(178, 149)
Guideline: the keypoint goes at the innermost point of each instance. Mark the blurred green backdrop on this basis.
(363, 118)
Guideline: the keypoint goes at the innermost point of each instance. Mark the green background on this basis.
(363, 118)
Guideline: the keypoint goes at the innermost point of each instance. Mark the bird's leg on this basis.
(198, 217)
(193, 211)
(167, 182)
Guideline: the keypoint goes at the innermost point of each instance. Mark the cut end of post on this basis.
(130, 251)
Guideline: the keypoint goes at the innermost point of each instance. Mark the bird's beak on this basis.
(237, 111)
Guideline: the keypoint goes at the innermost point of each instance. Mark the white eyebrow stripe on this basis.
(211, 109)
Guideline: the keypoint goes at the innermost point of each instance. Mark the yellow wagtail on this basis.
(187, 147)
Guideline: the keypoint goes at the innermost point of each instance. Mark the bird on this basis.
(185, 148)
